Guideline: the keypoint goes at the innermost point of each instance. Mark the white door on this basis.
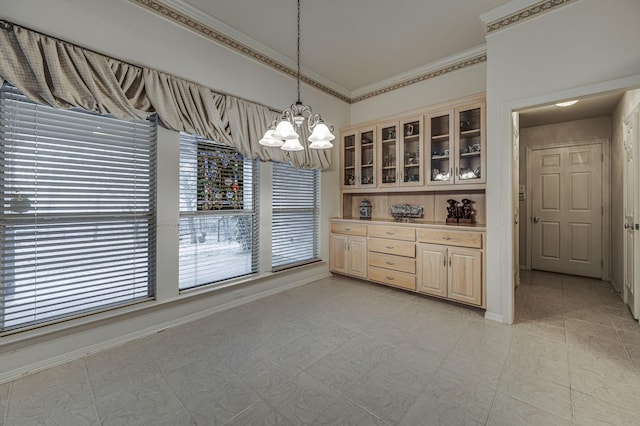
(566, 207)
(515, 196)
(631, 271)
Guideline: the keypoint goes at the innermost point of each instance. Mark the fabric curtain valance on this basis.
(63, 75)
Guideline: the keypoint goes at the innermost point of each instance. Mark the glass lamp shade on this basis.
(320, 144)
(284, 130)
(292, 145)
(321, 133)
(269, 140)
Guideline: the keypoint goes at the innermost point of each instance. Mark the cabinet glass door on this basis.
(410, 152)
(440, 149)
(349, 160)
(367, 158)
(470, 145)
(388, 155)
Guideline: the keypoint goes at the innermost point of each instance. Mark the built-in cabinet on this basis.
(348, 249)
(437, 148)
(358, 158)
(437, 260)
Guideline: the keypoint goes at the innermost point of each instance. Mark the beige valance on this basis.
(62, 75)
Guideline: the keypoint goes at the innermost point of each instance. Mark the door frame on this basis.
(605, 241)
(634, 115)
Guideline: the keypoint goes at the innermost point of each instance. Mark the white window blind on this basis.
(218, 213)
(78, 212)
(296, 209)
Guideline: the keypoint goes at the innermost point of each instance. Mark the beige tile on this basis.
(606, 348)
(510, 411)
(590, 411)
(346, 412)
(386, 397)
(58, 396)
(472, 399)
(4, 401)
(543, 394)
(118, 368)
(553, 368)
(337, 371)
(580, 327)
(259, 414)
(302, 399)
(414, 372)
(619, 390)
(146, 402)
(426, 410)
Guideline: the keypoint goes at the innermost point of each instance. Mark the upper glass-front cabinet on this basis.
(440, 147)
(399, 153)
(456, 146)
(470, 146)
(359, 158)
(388, 156)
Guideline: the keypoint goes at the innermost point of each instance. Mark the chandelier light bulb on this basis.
(292, 145)
(284, 130)
(269, 140)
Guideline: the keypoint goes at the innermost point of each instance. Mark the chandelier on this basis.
(283, 135)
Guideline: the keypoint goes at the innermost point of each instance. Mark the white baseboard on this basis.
(493, 317)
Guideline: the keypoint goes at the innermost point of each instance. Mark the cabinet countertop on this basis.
(415, 223)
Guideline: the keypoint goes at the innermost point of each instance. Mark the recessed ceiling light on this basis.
(567, 103)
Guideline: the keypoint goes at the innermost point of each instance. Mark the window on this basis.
(77, 220)
(218, 213)
(295, 215)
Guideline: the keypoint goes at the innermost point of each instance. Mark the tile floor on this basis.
(344, 352)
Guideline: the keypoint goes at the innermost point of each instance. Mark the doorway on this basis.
(566, 208)
(631, 142)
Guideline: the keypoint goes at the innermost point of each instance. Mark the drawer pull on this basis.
(347, 229)
(389, 247)
(390, 278)
(390, 233)
(390, 263)
(446, 238)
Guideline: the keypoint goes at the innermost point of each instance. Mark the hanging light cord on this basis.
(298, 51)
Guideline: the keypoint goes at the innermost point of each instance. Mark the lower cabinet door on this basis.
(432, 269)
(465, 275)
(338, 253)
(357, 257)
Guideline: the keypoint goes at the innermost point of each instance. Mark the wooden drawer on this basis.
(397, 263)
(398, 248)
(349, 228)
(392, 232)
(450, 238)
(394, 278)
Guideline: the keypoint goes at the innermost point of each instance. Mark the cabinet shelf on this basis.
(440, 157)
(439, 137)
(368, 144)
(473, 132)
(470, 154)
(388, 141)
(349, 147)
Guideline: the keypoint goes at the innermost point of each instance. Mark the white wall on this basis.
(454, 85)
(553, 134)
(574, 50)
(128, 32)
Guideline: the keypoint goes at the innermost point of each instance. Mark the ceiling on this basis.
(356, 43)
(587, 107)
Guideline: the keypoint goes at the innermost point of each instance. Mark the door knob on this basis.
(627, 226)
(536, 219)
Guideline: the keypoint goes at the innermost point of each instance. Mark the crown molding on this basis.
(517, 11)
(449, 64)
(213, 29)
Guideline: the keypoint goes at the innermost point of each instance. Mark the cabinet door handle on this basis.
(445, 262)
(449, 261)
(457, 172)
(390, 278)
(446, 238)
(451, 173)
(390, 263)
(390, 247)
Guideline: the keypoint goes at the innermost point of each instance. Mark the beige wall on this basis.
(540, 60)
(554, 134)
(630, 100)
